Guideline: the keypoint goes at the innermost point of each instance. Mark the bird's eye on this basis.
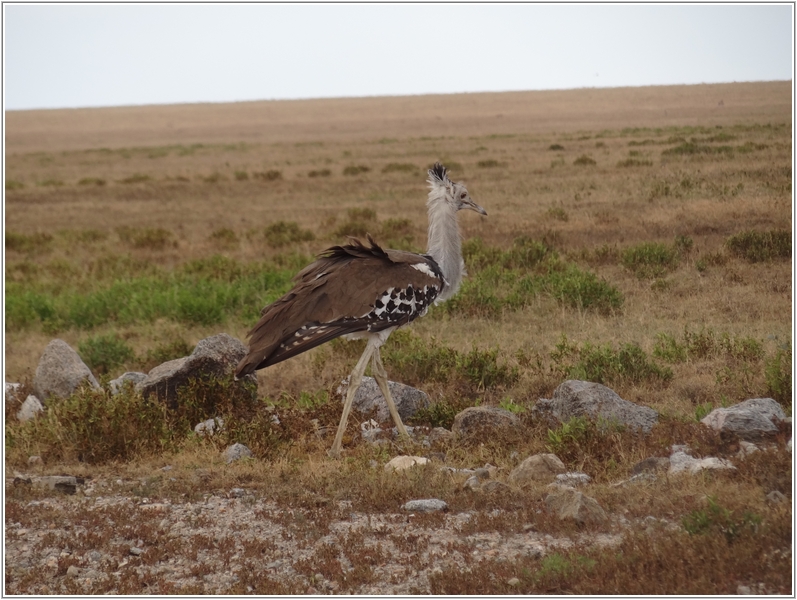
(462, 195)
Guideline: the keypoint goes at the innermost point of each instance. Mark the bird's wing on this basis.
(348, 289)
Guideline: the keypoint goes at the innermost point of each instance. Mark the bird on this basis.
(360, 290)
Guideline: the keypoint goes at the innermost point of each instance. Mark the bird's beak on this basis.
(473, 206)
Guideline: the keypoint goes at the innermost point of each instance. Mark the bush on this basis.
(224, 237)
(487, 164)
(320, 173)
(20, 242)
(650, 259)
(399, 168)
(759, 246)
(778, 375)
(556, 147)
(153, 239)
(104, 353)
(355, 169)
(270, 175)
(606, 365)
(135, 178)
(584, 161)
(241, 176)
(11, 185)
(91, 181)
(282, 233)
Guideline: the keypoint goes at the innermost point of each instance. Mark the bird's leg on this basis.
(355, 379)
(381, 378)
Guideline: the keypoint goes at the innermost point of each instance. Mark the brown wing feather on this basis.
(333, 296)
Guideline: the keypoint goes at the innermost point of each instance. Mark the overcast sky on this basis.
(91, 55)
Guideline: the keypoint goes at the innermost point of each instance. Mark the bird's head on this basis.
(455, 194)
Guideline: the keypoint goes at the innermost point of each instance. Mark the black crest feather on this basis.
(438, 172)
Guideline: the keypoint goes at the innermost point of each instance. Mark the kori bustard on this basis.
(362, 291)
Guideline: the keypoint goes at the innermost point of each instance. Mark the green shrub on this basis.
(584, 161)
(214, 178)
(759, 246)
(704, 344)
(32, 243)
(399, 168)
(224, 237)
(487, 164)
(135, 178)
(778, 375)
(92, 181)
(606, 365)
(355, 169)
(153, 239)
(582, 290)
(650, 259)
(282, 233)
(241, 176)
(270, 175)
(558, 213)
(320, 173)
(361, 214)
(11, 185)
(634, 162)
(104, 353)
(716, 518)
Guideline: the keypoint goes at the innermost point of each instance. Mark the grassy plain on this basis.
(637, 237)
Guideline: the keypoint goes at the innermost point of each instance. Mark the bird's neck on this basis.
(445, 245)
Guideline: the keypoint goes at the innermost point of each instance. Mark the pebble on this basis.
(72, 571)
(426, 505)
(513, 582)
(136, 551)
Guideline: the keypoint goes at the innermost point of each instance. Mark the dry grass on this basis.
(662, 217)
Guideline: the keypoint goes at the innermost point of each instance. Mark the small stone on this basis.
(166, 468)
(680, 462)
(747, 448)
(401, 463)
(743, 590)
(72, 571)
(573, 478)
(472, 483)
(136, 551)
(775, 497)
(237, 492)
(35, 461)
(494, 487)
(130, 378)
(209, 427)
(440, 435)
(513, 582)
(29, 409)
(651, 464)
(425, 506)
(567, 503)
(484, 420)
(236, 452)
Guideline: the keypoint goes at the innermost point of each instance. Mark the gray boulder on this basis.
(29, 409)
(537, 468)
(681, 462)
(60, 372)
(216, 356)
(369, 399)
(236, 452)
(569, 504)
(119, 383)
(750, 420)
(575, 398)
(483, 419)
(425, 506)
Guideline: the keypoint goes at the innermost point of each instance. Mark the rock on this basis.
(29, 409)
(440, 435)
(134, 551)
(12, 391)
(369, 399)
(653, 464)
(484, 419)
(513, 582)
(775, 497)
(237, 493)
(539, 467)
(209, 427)
(573, 478)
(681, 462)
(494, 487)
(788, 445)
(62, 483)
(60, 372)
(746, 449)
(216, 356)
(72, 571)
(750, 420)
(567, 503)
(543, 410)
(134, 377)
(236, 452)
(472, 483)
(401, 463)
(35, 461)
(575, 398)
(425, 506)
